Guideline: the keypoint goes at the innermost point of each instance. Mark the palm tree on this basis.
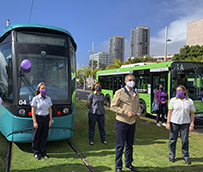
(117, 64)
(84, 73)
(94, 72)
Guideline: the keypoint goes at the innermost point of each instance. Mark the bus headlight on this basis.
(22, 112)
(65, 110)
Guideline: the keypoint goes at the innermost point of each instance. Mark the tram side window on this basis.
(106, 82)
(73, 68)
(6, 85)
(141, 83)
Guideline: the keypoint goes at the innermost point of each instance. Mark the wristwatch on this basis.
(192, 125)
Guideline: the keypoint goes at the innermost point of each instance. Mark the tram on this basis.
(30, 54)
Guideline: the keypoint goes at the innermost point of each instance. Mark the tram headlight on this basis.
(22, 112)
(65, 110)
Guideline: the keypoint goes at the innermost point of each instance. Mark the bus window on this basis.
(141, 83)
(106, 82)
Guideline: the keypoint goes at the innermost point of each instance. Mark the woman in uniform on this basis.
(180, 119)
(42, 120)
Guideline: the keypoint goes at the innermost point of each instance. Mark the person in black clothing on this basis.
(96, 113)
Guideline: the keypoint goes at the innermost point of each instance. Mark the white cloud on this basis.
(177, 30)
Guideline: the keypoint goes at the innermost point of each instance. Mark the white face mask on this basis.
(131, 84)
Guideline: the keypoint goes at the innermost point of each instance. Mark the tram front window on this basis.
(51, 70)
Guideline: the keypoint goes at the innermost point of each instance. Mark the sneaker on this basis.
(37, 157)
(163, 124)
(158, 125)
(45, 156)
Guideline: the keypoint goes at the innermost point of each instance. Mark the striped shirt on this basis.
(181, 110)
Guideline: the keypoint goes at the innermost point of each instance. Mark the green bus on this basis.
(149, 75)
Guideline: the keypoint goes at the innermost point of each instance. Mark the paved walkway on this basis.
(87, 91)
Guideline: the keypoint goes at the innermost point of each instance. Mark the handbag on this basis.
(155, 106)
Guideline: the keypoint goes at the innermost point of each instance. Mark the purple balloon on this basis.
(26, 64)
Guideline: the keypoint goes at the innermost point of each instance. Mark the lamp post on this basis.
(166, 40)
(92, 51)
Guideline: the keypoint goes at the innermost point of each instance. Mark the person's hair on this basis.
(126, 77)
(93, 89)
(161, 84)
(184, 89)
(38, 88)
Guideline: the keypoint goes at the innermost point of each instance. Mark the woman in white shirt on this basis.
(180, 119)
(42, 120)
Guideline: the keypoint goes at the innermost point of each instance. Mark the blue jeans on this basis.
(124, 137)
(100, 119)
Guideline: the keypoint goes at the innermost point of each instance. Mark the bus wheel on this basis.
(143, 108)
(108, 101)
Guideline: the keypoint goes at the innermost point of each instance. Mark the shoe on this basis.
(158, 125)
(36, 157)
(187, 161)
(163, 124)
(105, 142)
(91, 143)
(45, 156)
(172, 160)
(118, 170)
(132, 168)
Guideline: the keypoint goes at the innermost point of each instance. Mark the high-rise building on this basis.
(139, 41)
(195, 32)
(117, 47)
(103, 58)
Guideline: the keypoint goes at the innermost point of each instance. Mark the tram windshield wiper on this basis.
(26, 81)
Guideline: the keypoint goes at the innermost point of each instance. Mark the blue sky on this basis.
(96, 20)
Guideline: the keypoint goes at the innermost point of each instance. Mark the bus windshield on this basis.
(191, 76)
(49, 58)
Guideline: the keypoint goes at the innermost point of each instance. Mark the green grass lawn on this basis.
(3, 149)
(150, 149)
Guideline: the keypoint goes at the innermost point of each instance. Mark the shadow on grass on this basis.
(191, 159)
(80, 167)
(171, 169)
(63, 168)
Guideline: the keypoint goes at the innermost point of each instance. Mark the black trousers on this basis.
(125, 134)
(100, 119)
(40, 134)
(162, 110)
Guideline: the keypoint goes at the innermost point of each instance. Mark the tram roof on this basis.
(32, 25)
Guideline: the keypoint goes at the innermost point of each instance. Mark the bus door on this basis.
(156, 79)
(117, 83)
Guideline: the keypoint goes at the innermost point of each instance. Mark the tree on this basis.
(146, 58)
(102, 66)
(84, 73)
(117, 64)
(94, 64)
(193, 53)
(94, 72)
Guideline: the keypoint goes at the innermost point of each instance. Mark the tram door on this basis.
(117, 83)
(156, 79)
